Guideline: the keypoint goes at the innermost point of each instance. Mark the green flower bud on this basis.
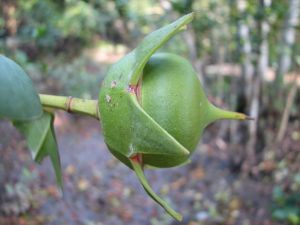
(153, 108)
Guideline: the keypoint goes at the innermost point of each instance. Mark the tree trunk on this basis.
(287, 40)
(261, 69)
(190, 37)
(8, 11)
(243, 84)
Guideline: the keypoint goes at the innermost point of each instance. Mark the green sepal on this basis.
(149, 137)
(143, 180)
(18, 98)
(129, 130)
(41, 141)
(152, 43)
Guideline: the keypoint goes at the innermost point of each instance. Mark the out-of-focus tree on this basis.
(288, 38)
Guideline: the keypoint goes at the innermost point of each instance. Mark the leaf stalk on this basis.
(71, 104)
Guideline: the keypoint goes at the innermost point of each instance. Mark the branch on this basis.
(286, 113)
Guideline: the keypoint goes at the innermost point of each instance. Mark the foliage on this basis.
(286, 206)
(81, 77)
(23, 103)
(40, 136)
(20, 103)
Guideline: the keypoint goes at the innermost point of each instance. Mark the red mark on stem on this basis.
(137, 90)
(137, 158)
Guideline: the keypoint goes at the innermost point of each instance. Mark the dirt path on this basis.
(98, 190)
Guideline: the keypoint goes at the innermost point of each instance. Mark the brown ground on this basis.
(99, 190)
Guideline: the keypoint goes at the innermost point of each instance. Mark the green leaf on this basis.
(41, 141)
(18, 98)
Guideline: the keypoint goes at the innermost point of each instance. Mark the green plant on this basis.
(152, 109)
(285, 207)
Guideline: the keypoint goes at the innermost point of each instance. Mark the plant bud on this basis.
(153, 108)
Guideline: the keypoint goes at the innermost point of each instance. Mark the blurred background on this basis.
(247, 56)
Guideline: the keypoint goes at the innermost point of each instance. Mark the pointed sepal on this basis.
(152, 43)
(149, 137)
(137, 167)
(41, 141)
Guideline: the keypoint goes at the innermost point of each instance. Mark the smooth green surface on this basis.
(41, 141)
(18, 98)
(173, 97)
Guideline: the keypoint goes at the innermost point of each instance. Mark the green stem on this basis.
(70, 104)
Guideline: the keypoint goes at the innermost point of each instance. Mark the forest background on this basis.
(247, 56)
